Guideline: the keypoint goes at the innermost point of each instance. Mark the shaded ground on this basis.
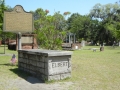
(33, 83)
(2, 54)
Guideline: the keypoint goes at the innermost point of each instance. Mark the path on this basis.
(33, 83)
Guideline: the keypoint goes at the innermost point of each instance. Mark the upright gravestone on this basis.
(18, 21)
(82, 43)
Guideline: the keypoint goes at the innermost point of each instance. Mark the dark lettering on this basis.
(53, 65)
(60, 64)
(63, 64)
(66, 63)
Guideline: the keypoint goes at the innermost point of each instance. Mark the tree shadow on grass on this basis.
(20, 73)
(8, 64)
(27, 76)
(118, 52)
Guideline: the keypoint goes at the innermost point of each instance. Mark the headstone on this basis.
(82, 43)
(76, 47)
(101, 48)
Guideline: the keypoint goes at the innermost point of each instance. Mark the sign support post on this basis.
(19, 40)
(4, 43)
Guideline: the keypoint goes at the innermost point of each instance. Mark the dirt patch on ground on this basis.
(33, 83)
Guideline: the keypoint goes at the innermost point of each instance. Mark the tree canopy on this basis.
(102, 24)
(50, 30)
(109, 17)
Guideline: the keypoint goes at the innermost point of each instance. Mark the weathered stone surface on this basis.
(21, 59)
(47, 65)
(32, 56)
(65, 75)
(26, 70)
(41, 64)
(20, 54)
(25, 55)
(27, 66)
(31, 67)
(32, 62)
(41, 70)
(54, 77)
(47, 52)
(27, 61)
(58, 67)
(40, 58)
(59, 76)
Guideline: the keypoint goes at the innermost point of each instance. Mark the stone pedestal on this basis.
(46, 64)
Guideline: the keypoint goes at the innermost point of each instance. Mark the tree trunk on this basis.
(0, 42)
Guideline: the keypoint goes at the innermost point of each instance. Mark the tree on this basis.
(60, 22)
(94, 30)
(80, 25)
(109, 17)
(49, 29)
(2, 9)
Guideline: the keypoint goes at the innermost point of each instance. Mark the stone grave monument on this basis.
(46, 64)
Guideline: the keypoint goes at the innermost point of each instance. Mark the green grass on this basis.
(4, 50)
(8, 72)
(90, 70)
(96, 70)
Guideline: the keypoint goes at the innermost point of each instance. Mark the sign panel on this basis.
(18, 20)
(27, 39)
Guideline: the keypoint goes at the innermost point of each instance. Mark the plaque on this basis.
(18, 20)
(27, 39)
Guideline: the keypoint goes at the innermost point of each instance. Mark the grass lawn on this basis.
(4, 49)
(90, 70)
(8, 71)
(96, 70)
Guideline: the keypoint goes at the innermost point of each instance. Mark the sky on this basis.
(82, 7)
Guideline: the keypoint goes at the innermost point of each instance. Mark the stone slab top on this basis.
(46, 52)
